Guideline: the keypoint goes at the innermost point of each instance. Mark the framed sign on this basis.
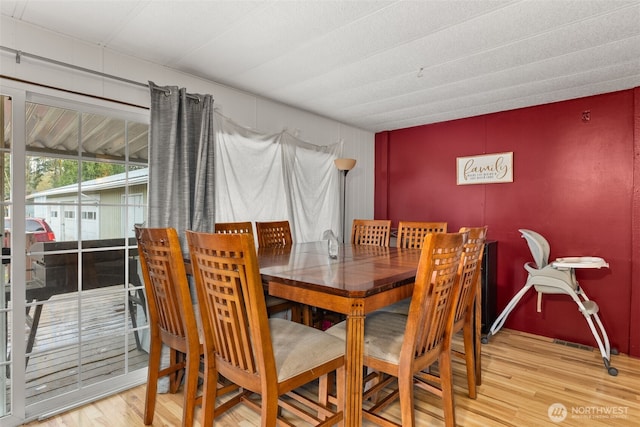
(485, 169)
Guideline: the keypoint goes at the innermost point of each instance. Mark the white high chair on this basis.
(559, 278)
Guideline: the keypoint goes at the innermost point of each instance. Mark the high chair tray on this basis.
(580, 262)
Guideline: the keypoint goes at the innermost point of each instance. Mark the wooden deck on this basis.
(57, 355)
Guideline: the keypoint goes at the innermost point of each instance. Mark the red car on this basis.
(38, 227)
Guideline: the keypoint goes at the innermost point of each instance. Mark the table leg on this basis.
(478, 333)
(354, 365)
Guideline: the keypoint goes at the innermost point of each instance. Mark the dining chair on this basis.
(371, 232)
(399, 346)
(274, 305)
(274, 234)
(470, 268)
(270, 357)
(411, 234)
(172, 321)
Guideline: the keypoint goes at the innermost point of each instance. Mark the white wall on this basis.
(244, 108)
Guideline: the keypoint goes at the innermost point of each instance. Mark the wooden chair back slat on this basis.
(371, 232)
(411, 234)
(172, 319)
(234, 227)
(170, 305)
(470, 267)
(228, 283)
(274, 234)
(430, 312)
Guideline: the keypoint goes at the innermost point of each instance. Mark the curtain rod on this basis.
(15, 79)
(19, 54)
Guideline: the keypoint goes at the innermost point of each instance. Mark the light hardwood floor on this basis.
(523, 376)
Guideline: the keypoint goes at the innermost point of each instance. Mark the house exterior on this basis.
(100, 197)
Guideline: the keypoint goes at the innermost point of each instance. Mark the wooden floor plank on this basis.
(523, 375)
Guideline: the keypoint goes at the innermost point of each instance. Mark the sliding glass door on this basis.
(6, 403)
(73, 315)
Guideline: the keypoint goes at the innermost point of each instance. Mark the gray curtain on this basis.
(181, 161)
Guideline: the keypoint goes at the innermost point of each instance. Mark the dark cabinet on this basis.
(489, 285)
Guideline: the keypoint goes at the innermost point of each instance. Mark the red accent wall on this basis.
(573, 183)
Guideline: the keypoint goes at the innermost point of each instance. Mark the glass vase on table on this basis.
(332, 243)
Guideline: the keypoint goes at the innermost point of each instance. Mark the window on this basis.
(88, 215)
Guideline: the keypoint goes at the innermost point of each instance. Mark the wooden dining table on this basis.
(360, 280)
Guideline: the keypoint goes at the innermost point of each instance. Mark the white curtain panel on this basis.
(276, 177)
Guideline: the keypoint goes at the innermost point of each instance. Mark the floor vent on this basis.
(572, 344)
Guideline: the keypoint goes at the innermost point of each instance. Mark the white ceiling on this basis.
(377, 65)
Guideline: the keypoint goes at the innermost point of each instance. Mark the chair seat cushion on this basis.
(383, 335)
(299, 348)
